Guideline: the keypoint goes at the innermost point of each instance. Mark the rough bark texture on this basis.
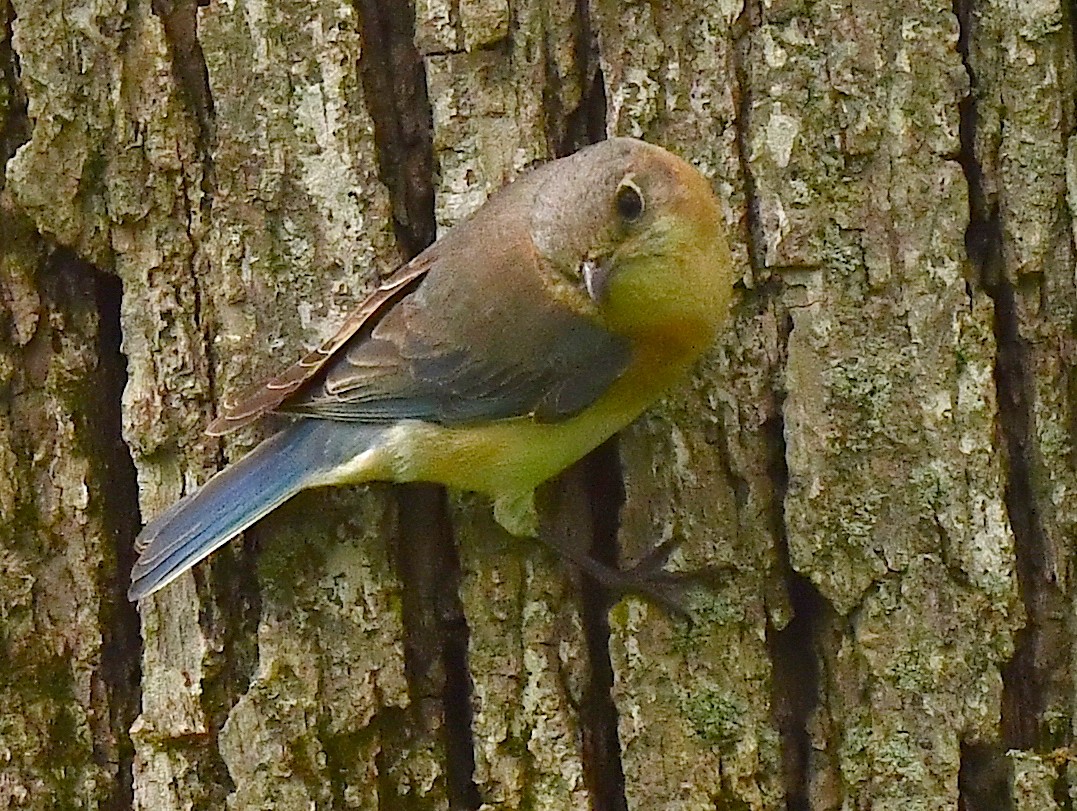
(869, 477)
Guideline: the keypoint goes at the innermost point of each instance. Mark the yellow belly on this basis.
(506, 456)
(508, 459)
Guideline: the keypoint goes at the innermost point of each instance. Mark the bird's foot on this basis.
(648, 578)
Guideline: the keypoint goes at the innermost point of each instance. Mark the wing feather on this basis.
(268, 395)
(450, 340)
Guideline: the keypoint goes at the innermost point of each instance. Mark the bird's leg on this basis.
(647, 578)
(567, 526)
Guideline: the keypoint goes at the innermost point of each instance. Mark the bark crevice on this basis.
(180, 21)
(572, 129)
(14, 121)
(793, 649)
(985, 778)
(122, 644)
(603, 770)
(86, 303)
(795, 683)
(394, 81)
(1027, 677)
(749, 21)
(436, 634)
(600, 472)
(1040, 646)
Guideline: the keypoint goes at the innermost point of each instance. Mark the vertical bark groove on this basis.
(750, 18)
(794, 658)
(983, 783)
(122, 646)
(395, 84)
(436, 634)
(574, 129)
(97, 675)
(14, 123)
(598, 714)
(795, 685)
(1038, 646)
(1027, 676)
(180, 21)
(983, 239)
(602, 477)
(457, 692)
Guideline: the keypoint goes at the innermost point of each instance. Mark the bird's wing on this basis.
(450, 343)
(267, 395)
(469, 345)
(405, 369)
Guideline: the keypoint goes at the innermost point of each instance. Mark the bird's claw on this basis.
(649, 578)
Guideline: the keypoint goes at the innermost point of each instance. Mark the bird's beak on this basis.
(596, 277)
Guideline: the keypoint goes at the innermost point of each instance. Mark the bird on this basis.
(507, 350)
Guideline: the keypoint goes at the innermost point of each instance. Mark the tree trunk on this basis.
(869, 474)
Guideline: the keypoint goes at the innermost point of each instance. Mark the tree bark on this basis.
(868, 476)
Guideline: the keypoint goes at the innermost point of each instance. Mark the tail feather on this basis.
(299, 457)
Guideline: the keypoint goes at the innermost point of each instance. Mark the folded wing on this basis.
(446, 341)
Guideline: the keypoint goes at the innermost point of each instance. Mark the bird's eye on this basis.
(629, 201)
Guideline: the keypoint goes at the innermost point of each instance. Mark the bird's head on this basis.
(640, 232)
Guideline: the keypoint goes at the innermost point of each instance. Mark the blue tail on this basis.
(298, 457)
